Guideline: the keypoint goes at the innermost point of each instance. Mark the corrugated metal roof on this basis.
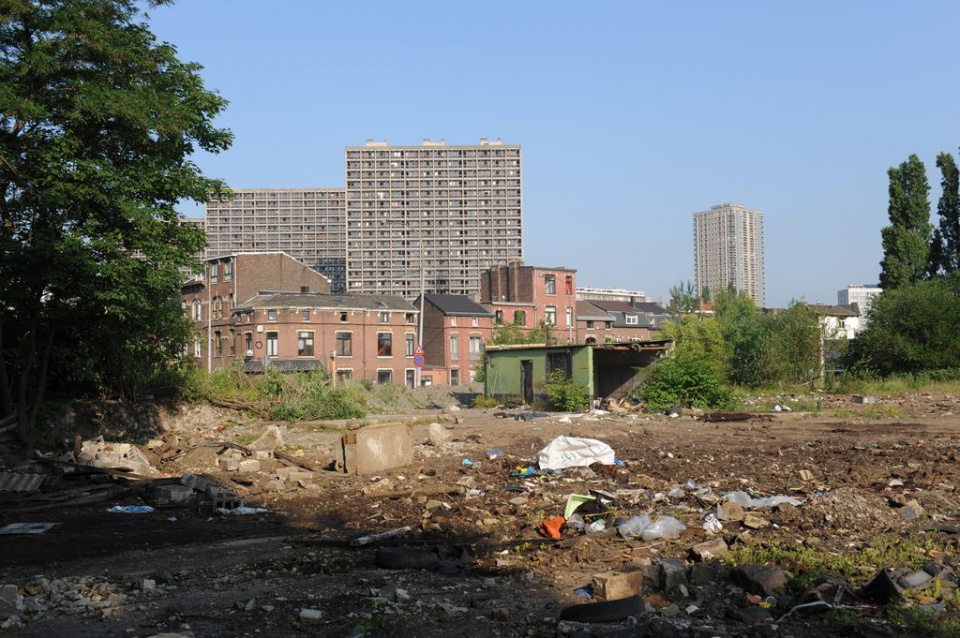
(21, 482)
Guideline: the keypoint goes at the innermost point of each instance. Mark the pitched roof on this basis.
(460, 305)
(615, 306)
(835, 311)
(589, 312)
(651, 307)
(326, 301)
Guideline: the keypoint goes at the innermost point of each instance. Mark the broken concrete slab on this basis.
(172, 494)
(729, 511)
(761, 580)
(376, 448)
(709, 550)
(271, 439)
(438, 435)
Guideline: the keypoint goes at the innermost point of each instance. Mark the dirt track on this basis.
(216, 576)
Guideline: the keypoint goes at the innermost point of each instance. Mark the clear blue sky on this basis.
(632, 115)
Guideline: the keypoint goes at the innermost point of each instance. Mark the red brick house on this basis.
(630, 322)
(593, 324)
(529, 295)
(455, 329)
(209, 299)
(355, 337)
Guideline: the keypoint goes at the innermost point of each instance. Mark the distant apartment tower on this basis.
(306, 223)
(860, 295)
(728, 248)
(446, 213)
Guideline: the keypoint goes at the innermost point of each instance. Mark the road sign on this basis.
(418, 360)
(419, 350)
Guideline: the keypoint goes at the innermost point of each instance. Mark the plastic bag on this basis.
(711, 524)
(565, 451)
(665, 527)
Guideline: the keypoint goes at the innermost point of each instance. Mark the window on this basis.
(589, 325)
(519, 317)
(273, 344)
(475, 321)
(498, 317)
(248, 344)
(384, 344)
(217, 344)
(454, 347)
(409, 317)
(197, 310)
(550, 284)
(410, 348)
(228, 270)
(271, 315)
(343, 317)
(343, 376)
(305, 343)
(453, 321)
(454, 377)
(384, 377)
(569, 317)
(631, 320)
(304, 315)
(197, 347)
(344, 344)
(384, 317)
(550, 315)
(214, 272)
(559, 362)
(476, 347)
(233, 342)
(568, 284)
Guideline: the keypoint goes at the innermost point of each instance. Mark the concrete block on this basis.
(262, 455)
(376, 448)
(229, 464)
(311, 616)
(613, 586)
(173, 493)
(249, 465)
(708, 550)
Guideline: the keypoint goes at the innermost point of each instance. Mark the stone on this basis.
(729, 511)
(229, 464)
(248, 466)
(263, 455)
(613, 586)
(673, 574)
(912, 510)
(168, 494)
(760, 580)
(271, 439)
(709, 550)
(703, 574)
(311, 616)
(755, 522)
(11, 601)
(148, 584)
(376, 448)
(438, 435)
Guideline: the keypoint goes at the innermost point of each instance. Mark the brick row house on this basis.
(455, 329)
(529, 295)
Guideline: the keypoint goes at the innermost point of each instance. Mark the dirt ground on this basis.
(861, 471)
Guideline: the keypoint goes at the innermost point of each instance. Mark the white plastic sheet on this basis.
(746, 501)
(566, 451)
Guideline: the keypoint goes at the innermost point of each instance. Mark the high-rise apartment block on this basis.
(444, 213)
(728, 248)
(305, 223)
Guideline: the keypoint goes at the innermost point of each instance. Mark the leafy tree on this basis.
(683, 298)
(97, 122)
(794, 354)
(945, 245)
(515, 334)
(746, 333)
(681, 379)
(912, 329)
(906, 240)
(699, 338)
(565, 394)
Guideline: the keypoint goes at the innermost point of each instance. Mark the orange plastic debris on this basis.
(551, 527)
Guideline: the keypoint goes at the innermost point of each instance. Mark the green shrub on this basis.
(685, 381)
(565, 394)
(484, 403)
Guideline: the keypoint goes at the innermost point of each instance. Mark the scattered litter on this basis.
(26, 528)
(468, 462)
(665, 527)
(565, 451)
(131, 509)
(598, 525)
(242, 510)
(745, 500)
(711, 524)
(585, 592)
(552, 526)
(373, 538)
(574, 501)
(494, 454)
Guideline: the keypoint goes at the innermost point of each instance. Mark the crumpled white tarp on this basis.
(566, 451)
(748, 502)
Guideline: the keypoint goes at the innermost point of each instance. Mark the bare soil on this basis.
(189, 571)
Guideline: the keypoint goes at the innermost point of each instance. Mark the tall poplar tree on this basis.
(906, 240)
(945, 245)
(97, 124)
